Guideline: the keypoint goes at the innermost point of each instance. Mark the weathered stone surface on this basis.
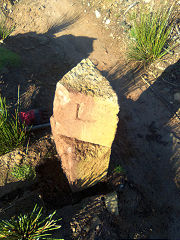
(85, 164)
(84, 123)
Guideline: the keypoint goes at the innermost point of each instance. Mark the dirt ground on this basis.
(52, 37)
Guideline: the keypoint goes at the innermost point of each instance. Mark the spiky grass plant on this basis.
(32, 226)
(12, 131)
(150, 34)
(119, 169)
(5, 30)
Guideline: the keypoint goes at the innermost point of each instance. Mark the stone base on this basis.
(84, 164)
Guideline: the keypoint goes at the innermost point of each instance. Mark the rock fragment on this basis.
(111, 201)
(83, 124)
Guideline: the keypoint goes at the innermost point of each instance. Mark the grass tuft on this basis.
(12, 131)
(32, 226)
(24, 172)
(5, 30)
(150, 34)
(119, 170)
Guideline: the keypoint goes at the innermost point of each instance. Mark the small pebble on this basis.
(177, 97)
(107, 21)
(97, 13)
(111, 202)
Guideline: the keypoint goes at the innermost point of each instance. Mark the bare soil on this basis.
(52, 37)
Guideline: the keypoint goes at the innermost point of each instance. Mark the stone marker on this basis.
(83, 124)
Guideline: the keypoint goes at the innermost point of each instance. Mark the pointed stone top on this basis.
(85, 78)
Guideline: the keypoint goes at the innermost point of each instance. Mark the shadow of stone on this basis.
(45, 59)
(53, 184)
(145, 144)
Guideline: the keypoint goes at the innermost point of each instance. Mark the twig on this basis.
(39, 126)
(170, 83)
(131, 6)
(3, 210)
(177, 29)
(168, 51)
